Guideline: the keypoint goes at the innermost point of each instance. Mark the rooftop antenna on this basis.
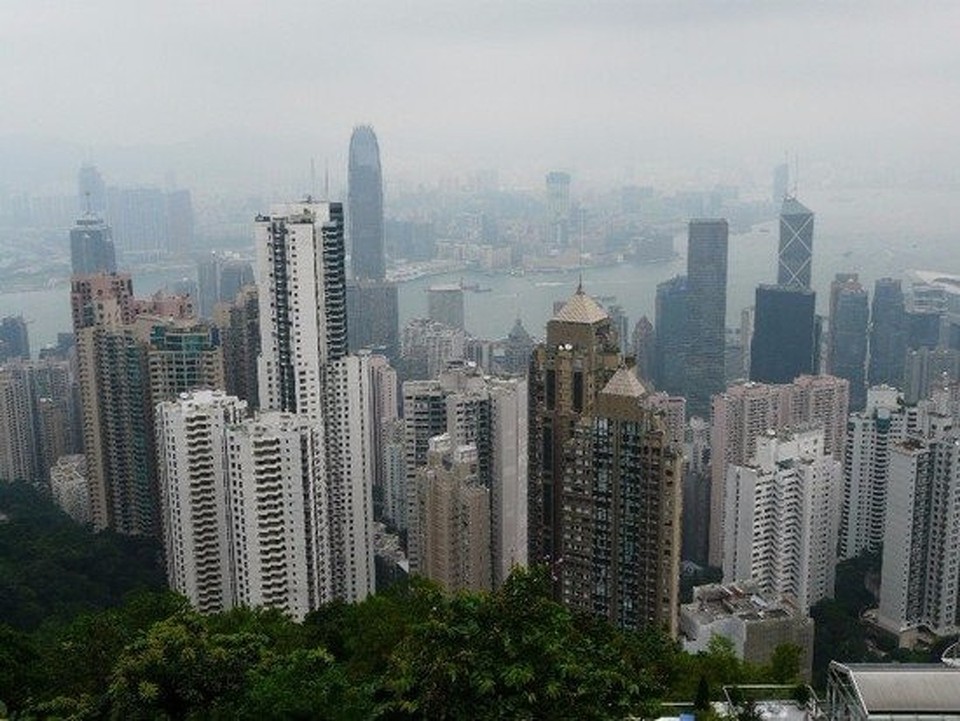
(796, 173)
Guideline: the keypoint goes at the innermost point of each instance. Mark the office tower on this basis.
(235, 274)
(784, 333)
(303, 324)
(69, 488)
(670, 330)
(179, 221)
(428, 347)
(14, 339)
(139, 220)
(208, 285)
(620, 322)
(781, 182)
(925, 368)
(643, 345)
(195, 496)
(918, 578)
(445, 305)
(567, 372)
(558, 209)
(91, 191)
(18, 442)
(453, 508)
(888, 340)
(239, 324)
(847, 348)
(279, 520)
(365, 205)
(349, 457)
(517, 349)
(373, 317)
(781, 514)
(745, 411)
(489, 414)
(796, 244)
(620, 518)
(706, 313)
(91, 246)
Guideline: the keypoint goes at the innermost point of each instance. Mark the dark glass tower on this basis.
(706, 313)
(784, 334)
(796, 244)
(91, 247)
(888, 333)
(365, 205)
(670, 329)
(847, 349)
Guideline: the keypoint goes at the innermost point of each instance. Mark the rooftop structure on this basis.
(873, 691)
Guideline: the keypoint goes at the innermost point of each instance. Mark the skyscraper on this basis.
(888, 337)
(373, 317)
(670, 330)
(14, 339)
(91, 246)
(91, 191)
(195, 496)
(781, 514)
(18, 441)
(445, 305)
(706, 313)
(796, 244)
(567, 372)
(847, 349)
(365, 205)
(784, 334)
(620, 518)
(302, 294)
(558, 209)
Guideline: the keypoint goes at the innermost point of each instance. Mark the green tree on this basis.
(785, 663)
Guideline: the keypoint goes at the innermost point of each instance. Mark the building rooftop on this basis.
(905, 688)
(792, 206)
(624, 383)
(581, 308)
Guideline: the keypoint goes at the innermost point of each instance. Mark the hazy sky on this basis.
(611, 90)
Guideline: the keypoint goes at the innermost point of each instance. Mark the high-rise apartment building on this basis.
(795, 255)
(428, 347)
(195, 496)
(847, 347)
(670, 331)
(781, 514)
(69, 487)
(302, 295)
(18, 440)
(365, 205)
(919, 583)
(239, 325)
(784, 334)
(281, 546)
(91, 246)
(620, 518)
(926, 368)
(453, 508)
(489, 414)
(567, 372)
(745, 411)
(706, 313)
(888, 339)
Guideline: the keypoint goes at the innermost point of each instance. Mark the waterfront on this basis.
(874, 233)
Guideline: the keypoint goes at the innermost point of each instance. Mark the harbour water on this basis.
(875, 233)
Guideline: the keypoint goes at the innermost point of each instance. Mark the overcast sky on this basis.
(611, 90)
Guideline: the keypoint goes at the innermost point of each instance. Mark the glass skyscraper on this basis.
(365, 205)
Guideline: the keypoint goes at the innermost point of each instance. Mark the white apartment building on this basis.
(781, 516)
(745, 411)
(194, 513)
(280, 547)
(920, 576)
